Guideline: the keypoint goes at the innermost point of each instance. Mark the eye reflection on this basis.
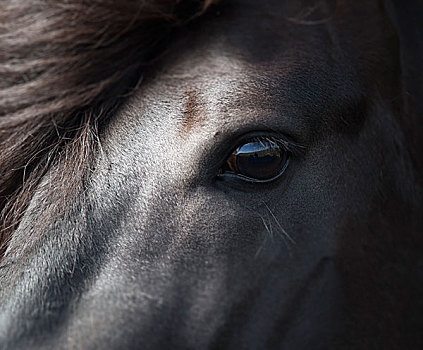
(260, 160)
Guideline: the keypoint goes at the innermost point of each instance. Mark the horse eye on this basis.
(257, 161)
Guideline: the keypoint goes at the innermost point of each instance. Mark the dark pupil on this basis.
(261, 160)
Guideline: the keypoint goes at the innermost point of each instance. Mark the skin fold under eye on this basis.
(257, 160)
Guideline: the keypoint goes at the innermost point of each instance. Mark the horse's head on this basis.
(258, 190)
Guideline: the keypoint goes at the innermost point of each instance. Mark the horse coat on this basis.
(189, 175)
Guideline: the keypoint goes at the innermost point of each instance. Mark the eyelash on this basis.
(281, 140)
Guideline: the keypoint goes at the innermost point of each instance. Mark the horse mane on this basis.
(65, 67)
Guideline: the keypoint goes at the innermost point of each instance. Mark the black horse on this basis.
(188, 175)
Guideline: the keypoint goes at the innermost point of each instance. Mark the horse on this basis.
(231, 174)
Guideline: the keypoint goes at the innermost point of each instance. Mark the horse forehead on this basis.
(262, 53)
(197, 69)
(261, 59)
(253, 41)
